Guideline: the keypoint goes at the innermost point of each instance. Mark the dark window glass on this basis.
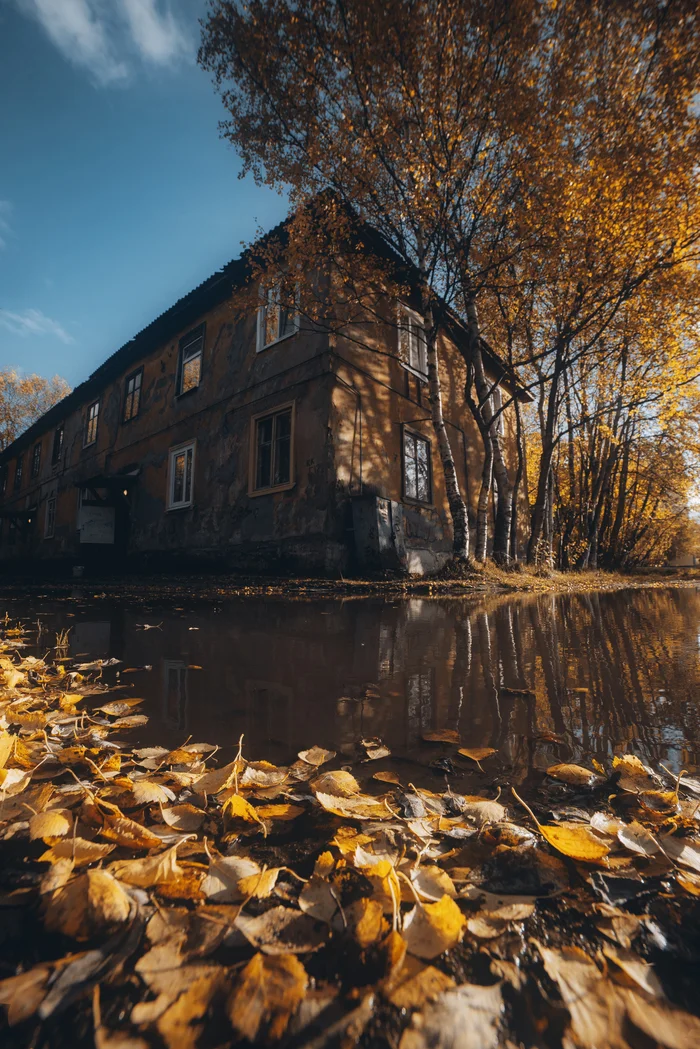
(18, 473)
(3, 480)
(191, 350)
(132, 395)
(50, 522)
(181, 476)
(416, 467)
(273, 450)
(57, 444)
(36, 460)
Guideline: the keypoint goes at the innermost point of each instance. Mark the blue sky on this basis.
(117, 195)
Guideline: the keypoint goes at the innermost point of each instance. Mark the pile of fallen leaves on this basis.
(155, 897)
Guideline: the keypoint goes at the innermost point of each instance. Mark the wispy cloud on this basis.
(33, 322)
(107, 37)
(5, 212)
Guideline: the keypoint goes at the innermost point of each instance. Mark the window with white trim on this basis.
(416, 467)
(91, 421)
(276, 319)
(181, 477)
(272, 459)
(413, 348)
(50, 517)
(190, 363)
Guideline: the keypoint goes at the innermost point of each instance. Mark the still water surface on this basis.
(604, 672)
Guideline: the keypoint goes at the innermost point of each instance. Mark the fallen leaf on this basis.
(682, 851)
(576, 841)
(387, 777)
(183, 817)
(574, 775)
(638, 973)
(467, 1017)
(87, 906)
(282, 930)
(54, 823)
(181, 1024)
(671, 1027)
(415, 984)
(447, 735)
(316, 755)
(219, 779)
(637, 838)
(221, 883)
(153, 870)
(431, 928)
(146, 792)
(375, 749)
(266, 995)
(633, 774)
(340, 784)
(362, 807)
(594, 1007)
(76, 849)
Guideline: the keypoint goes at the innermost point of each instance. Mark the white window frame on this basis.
(88, 419)
(189, 446)
(270, 296)
(413, 350)
(49, 517)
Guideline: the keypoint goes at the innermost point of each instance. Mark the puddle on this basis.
(543, 679)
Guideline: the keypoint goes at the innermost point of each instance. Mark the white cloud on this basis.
(33, 322)
(105, 36)
(158, 37)
(5, 211)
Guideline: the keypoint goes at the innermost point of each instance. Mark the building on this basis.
(250, 440)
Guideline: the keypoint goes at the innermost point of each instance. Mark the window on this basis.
(272, 458)
(3, 480)
(181, 477)
(93, 415)
(275, 320)
(413, 349)
(18, 473)
(36, 460)
(132, 395)
(57, 445)
(50, 518)
(190, 368)
(416, 467)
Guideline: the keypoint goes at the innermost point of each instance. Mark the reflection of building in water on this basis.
(419, 705)
(175, 697)
(270, 711)
(92, 639)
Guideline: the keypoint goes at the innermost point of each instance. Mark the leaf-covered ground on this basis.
(166, 898)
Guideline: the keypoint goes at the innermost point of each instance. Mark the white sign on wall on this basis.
(96, 524)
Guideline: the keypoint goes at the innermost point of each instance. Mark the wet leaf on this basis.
(267, 993)
(262, 774)
(387, 777)
(574, 775)
(431, 928)
(119, 707)
(237, 808)
(375, 749)
(361, 807)
(447, 735)
(576, 841)
(477, 754)
(316, 755)
(637, 838)
(633, 774)
(340, 784)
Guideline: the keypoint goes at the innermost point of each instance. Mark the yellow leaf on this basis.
(268, 992)
(415, 984)
(279, 812)
(259, 885)
(186, 818)
(77, 849)
(316, 755)
(50, 824)
(7, 743)
(340, 784)
(153, 870)
(87, 906)
(361, 807)
(431, 928)
(575, 840)
(447, 735)
(574, 775)
(237, 808)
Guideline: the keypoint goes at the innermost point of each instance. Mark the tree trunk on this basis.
(484, 391)
(482, 511)
(457, 505)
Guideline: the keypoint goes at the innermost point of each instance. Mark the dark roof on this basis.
(185, 311)
(188, 309)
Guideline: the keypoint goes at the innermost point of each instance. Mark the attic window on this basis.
(277, 319)
(190, 365)
(413, 349)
